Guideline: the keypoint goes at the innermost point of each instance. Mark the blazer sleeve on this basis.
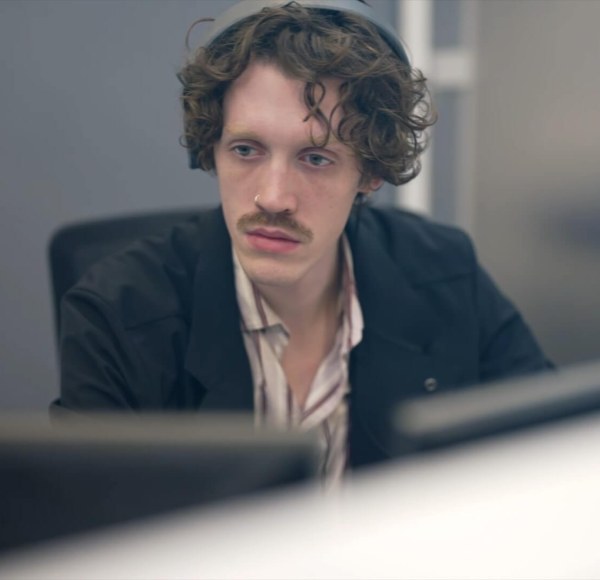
(507, 346)
(98, 360)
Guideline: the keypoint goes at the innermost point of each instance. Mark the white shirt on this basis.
(326, 406)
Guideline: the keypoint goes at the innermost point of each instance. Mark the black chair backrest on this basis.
(75, 247)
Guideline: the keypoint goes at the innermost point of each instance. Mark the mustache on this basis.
(275, 220)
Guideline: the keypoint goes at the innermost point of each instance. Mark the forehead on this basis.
(263, 93)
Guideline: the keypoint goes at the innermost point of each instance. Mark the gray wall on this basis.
(89, 127)
(537, 213)
(89, 123)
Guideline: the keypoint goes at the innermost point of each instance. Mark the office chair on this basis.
(75, 247)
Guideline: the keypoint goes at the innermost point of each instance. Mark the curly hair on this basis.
(384, 102)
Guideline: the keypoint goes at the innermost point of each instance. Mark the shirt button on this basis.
(430, 384)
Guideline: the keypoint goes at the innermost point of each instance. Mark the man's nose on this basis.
(277, 193)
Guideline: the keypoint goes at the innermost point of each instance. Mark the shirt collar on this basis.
(352, 314)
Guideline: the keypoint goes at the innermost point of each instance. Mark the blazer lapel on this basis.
(216, 355)
(393, 360)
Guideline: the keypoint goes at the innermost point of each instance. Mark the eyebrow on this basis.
(233, 133)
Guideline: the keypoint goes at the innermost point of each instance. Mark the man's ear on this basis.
(369, 185)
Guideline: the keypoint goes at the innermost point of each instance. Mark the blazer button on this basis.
(430, 384)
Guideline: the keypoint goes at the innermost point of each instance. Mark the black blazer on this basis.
(157, 326)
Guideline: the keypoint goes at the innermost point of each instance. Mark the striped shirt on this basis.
(326, 406)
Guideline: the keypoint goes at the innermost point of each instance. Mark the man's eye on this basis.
(244, 150)
(318, 160)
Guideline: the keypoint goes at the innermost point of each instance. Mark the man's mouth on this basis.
(273, 234)
(269, 240)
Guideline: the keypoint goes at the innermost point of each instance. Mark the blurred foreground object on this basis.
(81, 473)
(521, 505)
(495, 408)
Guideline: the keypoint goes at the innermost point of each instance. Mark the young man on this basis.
(291, 299)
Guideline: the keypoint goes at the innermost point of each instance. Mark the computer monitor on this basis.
(81, 473)
(501, 407)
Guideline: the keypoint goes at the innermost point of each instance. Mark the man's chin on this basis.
(268, 271)
(272, 279)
